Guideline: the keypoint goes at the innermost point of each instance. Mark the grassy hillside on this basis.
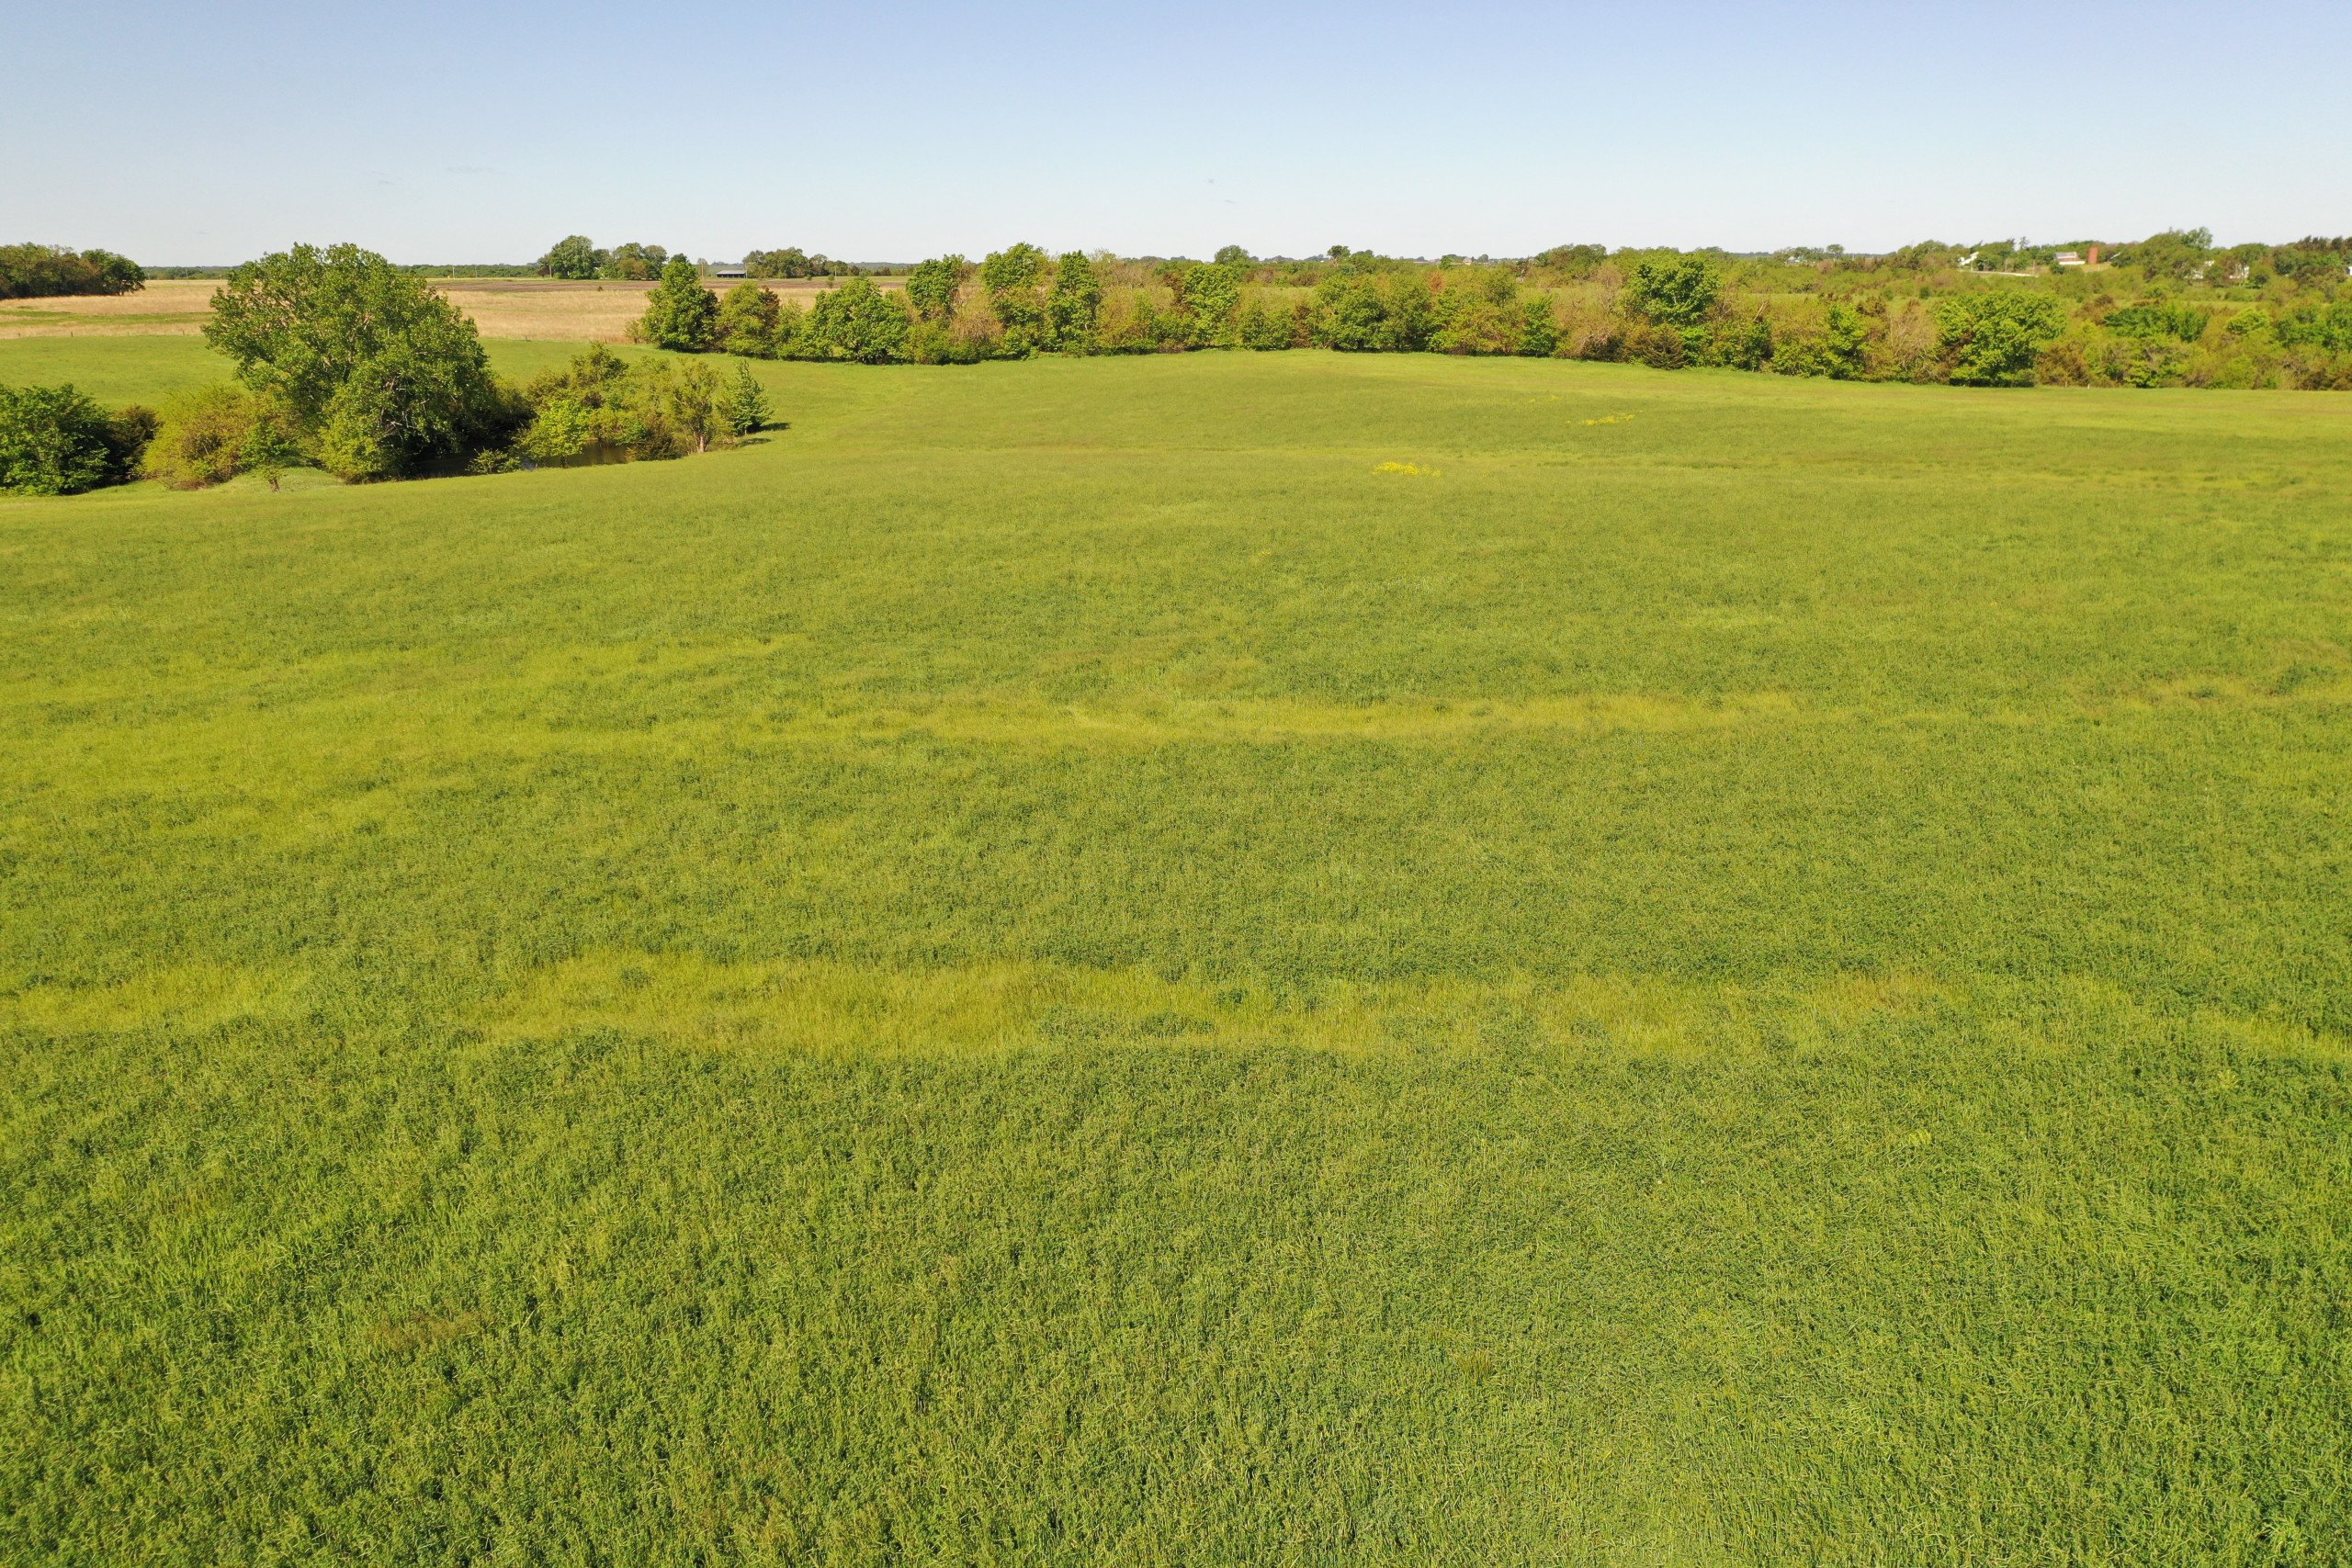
(1050, 966)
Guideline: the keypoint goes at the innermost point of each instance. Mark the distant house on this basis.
(2069, 258)
(732, 270)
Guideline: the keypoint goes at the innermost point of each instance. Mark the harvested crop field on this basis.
(501, 307)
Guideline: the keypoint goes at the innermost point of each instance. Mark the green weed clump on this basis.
(1053, 967)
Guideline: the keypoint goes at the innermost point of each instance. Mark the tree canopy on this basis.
(681, 313)
(931, 286)
(574, 256)
(380, 372)
(634, 263)
(1993, 338)
(1674, 291)
(28, 272)
(57, 441)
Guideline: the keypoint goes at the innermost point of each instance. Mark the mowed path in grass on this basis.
(1049, 965)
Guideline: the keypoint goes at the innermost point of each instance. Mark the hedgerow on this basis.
(2171, 310)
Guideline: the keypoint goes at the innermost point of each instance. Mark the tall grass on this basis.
(1048, 966)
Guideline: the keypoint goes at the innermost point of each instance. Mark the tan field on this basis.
(501, 307)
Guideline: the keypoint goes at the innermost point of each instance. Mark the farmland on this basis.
(1193, 959)
(530, 308)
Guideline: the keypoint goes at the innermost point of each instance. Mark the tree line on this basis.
(579, 258)
(2168, 310)
(346, 363)
(34, 271)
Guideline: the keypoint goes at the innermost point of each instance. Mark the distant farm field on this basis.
(500, 308)
(1220, 958)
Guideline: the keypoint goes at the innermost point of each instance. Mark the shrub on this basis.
(1539, 332)
(1469, 324)
(372, 368)
(855, 322)
(562, 427)
(58, 441)
(1127, 323)
(679, 314)
(1991, 339)
(605, 407)
(2328, 329)
(1674, 291)
(2142, 361)
(2159, 320)
(1265, 326)
(791, 324)
(208, 436)
(1839, 350)
(1603, 340)
(1410, 313)
(689, 401)
(1659, 348)
(933, 285)
(1075, 304)
(269, 450)
(1014, 280)
(1746, 345)
(1208, 298)
(745, 406)
(1350, 314)
(747, 321)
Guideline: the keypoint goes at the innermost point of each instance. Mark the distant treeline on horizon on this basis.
(2171, 309)
(40, 269)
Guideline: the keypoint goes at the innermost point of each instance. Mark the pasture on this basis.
(1218, 958)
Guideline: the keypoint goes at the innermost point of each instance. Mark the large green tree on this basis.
(932, 287)
(1991, 339)
(1674, 291)
(1015, 278)
(382, 374)
(1350, 314)
(1075, 303)
(1211, 297)
(574, 256)
(681, 313)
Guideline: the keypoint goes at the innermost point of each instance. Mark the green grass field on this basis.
(1049, 966)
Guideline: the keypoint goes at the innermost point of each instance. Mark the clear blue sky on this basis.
(438, 131)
